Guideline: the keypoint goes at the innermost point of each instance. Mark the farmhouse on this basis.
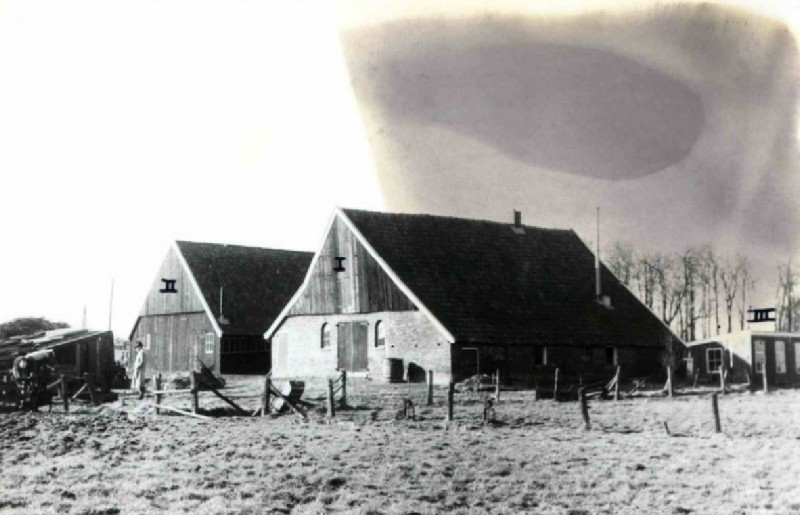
(77, 351)
(459, 297)
(747, 355)
(213, 303)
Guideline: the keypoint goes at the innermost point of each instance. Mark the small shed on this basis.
(747, 355)
(78, 351)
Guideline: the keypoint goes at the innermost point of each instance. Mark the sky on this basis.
(126, 125)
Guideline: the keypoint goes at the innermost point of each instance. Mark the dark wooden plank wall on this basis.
(185, 300)
(363, 287)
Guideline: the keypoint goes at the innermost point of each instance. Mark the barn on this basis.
(459, 297)
(213, 302)
(746, 355)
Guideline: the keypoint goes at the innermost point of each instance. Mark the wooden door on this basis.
(352, 346)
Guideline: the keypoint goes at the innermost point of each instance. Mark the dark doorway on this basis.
(244, 355)
(352, 346)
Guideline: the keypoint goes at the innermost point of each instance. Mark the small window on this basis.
(540, 355)
(797, 357)
(209, 343)
(380, 335)
(780, 357)
(611, 356)
(325, 337)
(713, 360)
(760, 356)
(148, 341)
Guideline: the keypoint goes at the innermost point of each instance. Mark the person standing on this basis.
(139, 363)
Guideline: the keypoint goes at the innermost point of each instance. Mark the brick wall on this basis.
(516, 363)
(409, 336)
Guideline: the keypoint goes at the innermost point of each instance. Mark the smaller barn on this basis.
(212, 302)
(78, 351)
(746, 355)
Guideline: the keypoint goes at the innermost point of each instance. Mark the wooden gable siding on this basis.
(175, 341)
(186, 300)
(363, 287)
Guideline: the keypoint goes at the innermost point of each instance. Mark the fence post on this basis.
(64, 395)
(584, 408)
(194, 392)
(555, 386)
(331, 408)
(265, 400)
(344, 388)
(670, 388)
(715, 409)
(722, 379)
(616, 384)
(764, 378)
(89, 379)
(450, 392)
(158, 394)
(430, 387)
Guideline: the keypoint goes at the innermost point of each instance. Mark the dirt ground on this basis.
(536, 458)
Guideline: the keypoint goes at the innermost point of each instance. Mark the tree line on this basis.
(28, 326)
(698, 292)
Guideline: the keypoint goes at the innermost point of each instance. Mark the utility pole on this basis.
(597, 258)
(110, 304)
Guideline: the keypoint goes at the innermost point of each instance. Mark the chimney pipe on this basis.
(597, 258)
(517, 218)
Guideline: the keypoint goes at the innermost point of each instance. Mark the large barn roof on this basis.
(486, 282)
(257, 282)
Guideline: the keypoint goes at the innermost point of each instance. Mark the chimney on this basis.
(517, 227)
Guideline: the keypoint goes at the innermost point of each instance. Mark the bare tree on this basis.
(787, 306)
(670, 282)
(691, 262)
(729, 272)
(747, 284)
(645, 274)
(707, 271)
(621, 260)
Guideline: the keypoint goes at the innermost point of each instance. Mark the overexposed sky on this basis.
(127, 124)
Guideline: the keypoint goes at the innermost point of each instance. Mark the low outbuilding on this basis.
(746, 355)
(77, 352)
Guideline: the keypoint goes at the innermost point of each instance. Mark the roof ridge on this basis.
(235, 245)
(450, 217)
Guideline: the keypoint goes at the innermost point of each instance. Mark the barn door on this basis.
(352, 346)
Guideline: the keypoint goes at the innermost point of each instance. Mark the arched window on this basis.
(325, 336)
(380, 335)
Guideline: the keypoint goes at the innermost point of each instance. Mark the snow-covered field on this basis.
(537, 458)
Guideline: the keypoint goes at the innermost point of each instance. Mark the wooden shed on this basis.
(213, 302)
(460, 297)
(747, 355)
(77, 351)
